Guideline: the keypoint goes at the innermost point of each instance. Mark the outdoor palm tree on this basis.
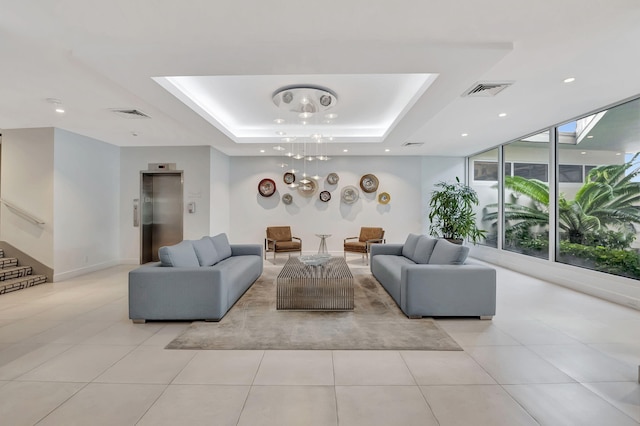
(608, 199)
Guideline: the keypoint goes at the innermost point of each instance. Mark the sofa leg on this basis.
(138, 320)
(211, 320)
(415, 316)
(486, 317)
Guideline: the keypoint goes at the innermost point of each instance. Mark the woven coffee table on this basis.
(328, 287)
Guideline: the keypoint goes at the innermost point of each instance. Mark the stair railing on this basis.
(22, 213)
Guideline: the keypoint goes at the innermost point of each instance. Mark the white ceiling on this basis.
(96, 56)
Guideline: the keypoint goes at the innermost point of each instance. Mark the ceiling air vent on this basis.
(130, 113)
(486, 89)
(413, 144)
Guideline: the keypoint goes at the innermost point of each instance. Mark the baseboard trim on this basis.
(85, 270)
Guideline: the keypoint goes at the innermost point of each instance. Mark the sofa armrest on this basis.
(246, 250)
(392, 249)
(448, 290)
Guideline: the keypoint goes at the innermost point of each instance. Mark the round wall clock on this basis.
(267, 187)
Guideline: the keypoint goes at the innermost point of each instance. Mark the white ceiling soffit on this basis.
(369, 105)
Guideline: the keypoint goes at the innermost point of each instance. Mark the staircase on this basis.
(14, 277)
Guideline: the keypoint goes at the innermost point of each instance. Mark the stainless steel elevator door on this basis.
(161, 213)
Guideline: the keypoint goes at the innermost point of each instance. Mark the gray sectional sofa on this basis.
(431, 277)
(194, 280)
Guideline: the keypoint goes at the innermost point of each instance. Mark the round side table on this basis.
(323, 243)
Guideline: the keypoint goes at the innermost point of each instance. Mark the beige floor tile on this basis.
(197, 405)
(517, 364)
(105, 404)
(147, 365)
(624, 352)
(166, 334)
(20, 331)
(491, 336)
(23, 310)
(124, 333)
(81, 363)
(290, 406)
(445, 368)
(295, 368)
(585, 364)
(11, 351)
(31, 360)
(567, 404)
(70, 332)
(534, 332)
(479, 405)
(383, 405)
(221, 368)
(624, 396)
(25, 403)
(371, 368)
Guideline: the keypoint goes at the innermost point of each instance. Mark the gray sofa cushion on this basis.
(206, 251)
(181, 254)
(424, 249)
(446, 253)
(221, 243)
(410, 245)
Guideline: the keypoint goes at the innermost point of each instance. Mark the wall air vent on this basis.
(413, 144)
(486, 89)
(129, 113)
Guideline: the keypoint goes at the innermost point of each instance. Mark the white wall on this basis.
(86, 204)
(194, 161)
(27, 182)
(220, 195)
(401, 177)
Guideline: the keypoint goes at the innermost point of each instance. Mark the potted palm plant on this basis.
(451, 212)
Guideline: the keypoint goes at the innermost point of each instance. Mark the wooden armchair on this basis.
(279, 240)
(363, 243)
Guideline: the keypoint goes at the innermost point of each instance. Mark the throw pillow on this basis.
(424, 249)
(409, 246)
(221, 242)
(446, 253)
(181, 254)
(205, 251)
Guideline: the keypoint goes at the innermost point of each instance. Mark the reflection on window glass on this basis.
(485, 183)
(570, 173)
(507, 169)
(598, 221)
(526, 197)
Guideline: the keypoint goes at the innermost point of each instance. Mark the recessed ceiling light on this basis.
(502, 114)
(345, 150)
(262, 150)
(281, 133)
(464, 135)
(583, 152)
(387, 150)
(590, 137)
(569, 80)
(134, 133)
(279, 148)
(279, 120)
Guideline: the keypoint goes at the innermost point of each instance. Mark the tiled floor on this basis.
(69, 355)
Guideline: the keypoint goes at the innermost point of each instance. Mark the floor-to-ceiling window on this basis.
(599, 191)
(526, 196)
(484, 180)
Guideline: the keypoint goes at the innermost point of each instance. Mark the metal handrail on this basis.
(23, 213)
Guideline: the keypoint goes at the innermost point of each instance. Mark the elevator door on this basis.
(161, 212)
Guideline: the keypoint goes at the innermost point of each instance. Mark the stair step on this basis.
(14, 272)
(7, 262)
(7, 286)
(1, 252)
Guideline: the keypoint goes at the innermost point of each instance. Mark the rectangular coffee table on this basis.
(328, 287)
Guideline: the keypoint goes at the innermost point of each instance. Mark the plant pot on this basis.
(455, 241)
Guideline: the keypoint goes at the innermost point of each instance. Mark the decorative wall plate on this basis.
(307, 187)
(369, 183)
(267, 187)
(325, 196)
(289, 178)
(287, 199)
(332, 178)
(384, 198)
(350, 194)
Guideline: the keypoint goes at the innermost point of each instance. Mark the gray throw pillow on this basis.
(409, 246)
(221, 242)
(424, 249)
(205, 251)
(181, 254)
(446, 253)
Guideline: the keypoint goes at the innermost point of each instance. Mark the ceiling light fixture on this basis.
(57, 105)
(464, 135)
(387, 150)
(502, 114)
(279, 120)
(569, 80)
(304, 100)
(590, 137)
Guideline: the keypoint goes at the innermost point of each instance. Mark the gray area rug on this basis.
(375, 323)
